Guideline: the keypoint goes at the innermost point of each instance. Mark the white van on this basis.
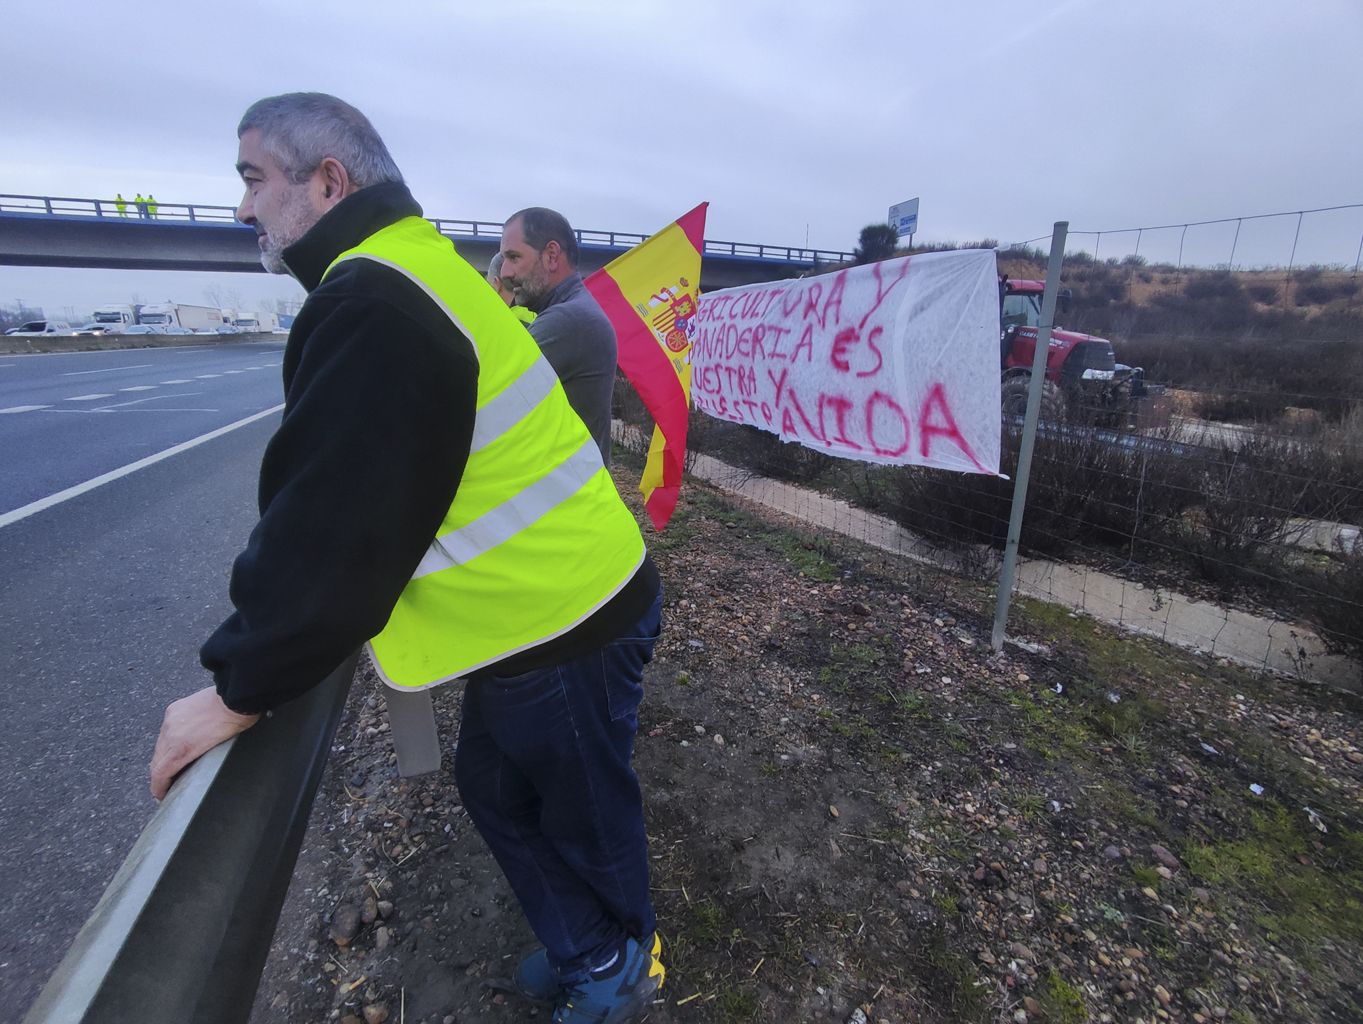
(42, 327)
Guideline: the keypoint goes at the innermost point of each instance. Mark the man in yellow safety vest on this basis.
(464, 525)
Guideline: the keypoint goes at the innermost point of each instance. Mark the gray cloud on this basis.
(787, 117)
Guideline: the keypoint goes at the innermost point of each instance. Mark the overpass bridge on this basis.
(51, 231)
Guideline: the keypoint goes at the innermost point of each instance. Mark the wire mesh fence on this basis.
(1225, 515)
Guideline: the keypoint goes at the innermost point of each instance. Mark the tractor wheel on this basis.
(1014, 397)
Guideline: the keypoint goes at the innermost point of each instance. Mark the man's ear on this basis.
(553, 255)
(334, 180)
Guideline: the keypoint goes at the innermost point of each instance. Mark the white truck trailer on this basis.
(256, 323)
(175, 314)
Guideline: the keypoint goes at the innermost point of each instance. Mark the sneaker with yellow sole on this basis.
(618, 994)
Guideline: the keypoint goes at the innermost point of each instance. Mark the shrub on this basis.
(1084, 491)
(1219, 284)
(1319, 293)
(877, 242)
(1340, 609)
(1246, 502)
(1024, 253)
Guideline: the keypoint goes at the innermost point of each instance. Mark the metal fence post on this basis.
(1043, 348)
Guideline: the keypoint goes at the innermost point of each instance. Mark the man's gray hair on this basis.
(494, 267)
(541, 225)
(301, 129)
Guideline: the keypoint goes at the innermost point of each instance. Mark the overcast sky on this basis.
(796, 120)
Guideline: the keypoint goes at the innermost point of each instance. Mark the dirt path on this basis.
(852, 803)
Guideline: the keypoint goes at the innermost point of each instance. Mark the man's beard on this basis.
(296, 218)
(532, 289)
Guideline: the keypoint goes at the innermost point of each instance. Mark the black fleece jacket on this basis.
(380, 391)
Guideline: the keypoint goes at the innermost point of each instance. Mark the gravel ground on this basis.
(857, 811)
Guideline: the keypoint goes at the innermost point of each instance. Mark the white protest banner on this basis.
(895, 362)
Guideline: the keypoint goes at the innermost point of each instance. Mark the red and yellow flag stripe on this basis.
(650, 295)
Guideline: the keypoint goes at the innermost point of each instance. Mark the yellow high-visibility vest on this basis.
(537, 538)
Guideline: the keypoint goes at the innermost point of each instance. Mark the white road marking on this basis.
(71, 492)
(88, 398)
(23, 408)
(185, 381)
(140, 387)
(140, 401)
(233, 371)
(110, 369)
(207, 376)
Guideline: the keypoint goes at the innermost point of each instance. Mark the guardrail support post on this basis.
(411, 723)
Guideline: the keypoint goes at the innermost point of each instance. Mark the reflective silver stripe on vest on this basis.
(500, 524)
(514, 404)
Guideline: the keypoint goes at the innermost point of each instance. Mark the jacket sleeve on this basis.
(374, 439)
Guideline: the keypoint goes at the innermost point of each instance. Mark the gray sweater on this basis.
(579, 342)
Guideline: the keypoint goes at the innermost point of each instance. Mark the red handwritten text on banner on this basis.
(895, 362)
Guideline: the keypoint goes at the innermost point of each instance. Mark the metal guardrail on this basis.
(197, 213)
(181, 934)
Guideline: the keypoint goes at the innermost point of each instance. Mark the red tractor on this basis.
(1084, 381)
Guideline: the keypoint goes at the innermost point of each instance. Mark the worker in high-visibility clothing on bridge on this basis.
(431, 491)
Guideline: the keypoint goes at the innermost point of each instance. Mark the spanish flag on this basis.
(650, 295)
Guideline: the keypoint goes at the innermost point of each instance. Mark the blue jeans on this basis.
(543, 766)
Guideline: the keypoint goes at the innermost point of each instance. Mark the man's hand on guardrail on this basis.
(192, 726)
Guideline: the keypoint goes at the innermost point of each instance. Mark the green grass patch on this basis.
(1053, 728)
(1146, 875)
(1061, 1002)
(949, 978)
(1302, 894)
(736, 1005)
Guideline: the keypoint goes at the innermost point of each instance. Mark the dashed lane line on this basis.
(207, 376)
(71, 492)
(24, 408)
(184, 381)
(88, 398)
(107, 369)
(152, 398)
(140, 387)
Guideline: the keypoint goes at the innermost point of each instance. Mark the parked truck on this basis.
(114, 317)
(1083, 381)
(256, 323)
(175, 314)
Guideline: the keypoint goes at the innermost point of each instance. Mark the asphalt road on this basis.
(105, 598)
(69, 417)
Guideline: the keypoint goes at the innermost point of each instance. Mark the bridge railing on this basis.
(67, 206)
(480, 230)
